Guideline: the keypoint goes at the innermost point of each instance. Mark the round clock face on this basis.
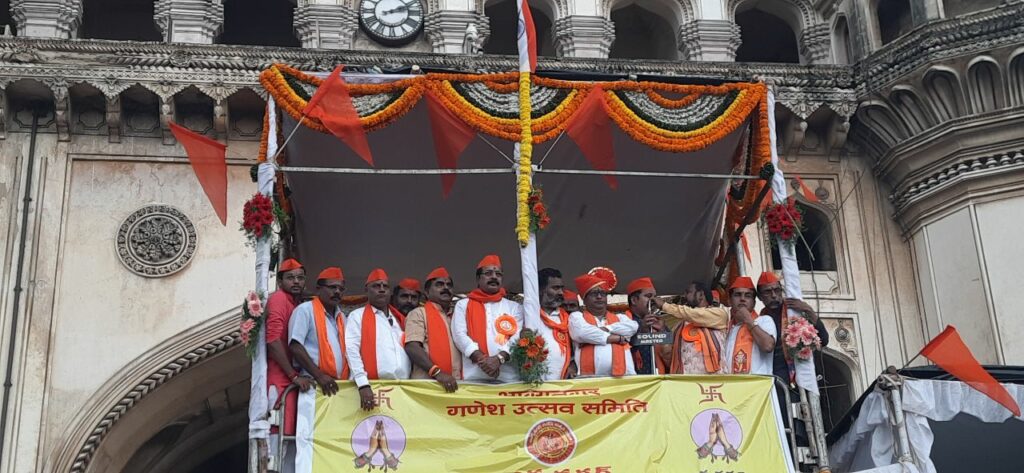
(391, 22)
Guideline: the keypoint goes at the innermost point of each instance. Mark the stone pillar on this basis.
(447, 31)
(189, 21)
(328, 26)
(709, 40)
(47, 18)
(816, 44)
(584, 36)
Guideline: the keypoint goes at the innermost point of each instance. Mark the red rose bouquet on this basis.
(784, 221)
(259, 216)
(531, 357)
(539, 218)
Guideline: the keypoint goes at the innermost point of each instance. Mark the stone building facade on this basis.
(120, 287)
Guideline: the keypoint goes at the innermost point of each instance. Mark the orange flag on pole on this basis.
(451, 136)
(208, 160)
(806, 191)
(951, 354)
(591, 128)
(332, 105)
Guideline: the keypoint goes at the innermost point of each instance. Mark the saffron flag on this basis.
(451, 136)
(806, 191)
(208, 160)
(527, 39)
(950, 352)
(671, 423)
(332, 105)
(591, 129)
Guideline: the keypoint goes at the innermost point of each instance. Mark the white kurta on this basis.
(392, 362)
(585, 334)
(761, 362)
(302, 328)
(555, 358)
(466, 345)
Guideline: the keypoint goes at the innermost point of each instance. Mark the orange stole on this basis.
(476, 317)
(703, 341)
(438, 340)
(561, 333)
(326, 362)
(742, 350)
(587, 351)
(368, 338)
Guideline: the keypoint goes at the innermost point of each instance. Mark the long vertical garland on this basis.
(525, 184)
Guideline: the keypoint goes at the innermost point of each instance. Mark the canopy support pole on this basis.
(767, 170)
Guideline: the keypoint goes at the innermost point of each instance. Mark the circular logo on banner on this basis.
(550, 442)
(378, 442)
(718, 434)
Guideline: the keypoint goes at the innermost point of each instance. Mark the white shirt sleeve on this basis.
(626, 326)
(353, 339)
(768, 325)
(582, 332)
(299, 326)
(460, 332)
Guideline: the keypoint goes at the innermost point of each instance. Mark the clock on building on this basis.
(391, 22)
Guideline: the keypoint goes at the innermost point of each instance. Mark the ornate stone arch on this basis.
(916, 114)
(879, 117)
(557, 8)
(942, 86)
(985, 85)
(684, 9)
(134, 382)
(802, 11)
(1015, 77)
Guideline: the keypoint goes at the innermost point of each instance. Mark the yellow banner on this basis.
(638, 424)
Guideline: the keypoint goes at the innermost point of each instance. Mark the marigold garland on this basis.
(666, 102)
(525, 184)
(261, 156)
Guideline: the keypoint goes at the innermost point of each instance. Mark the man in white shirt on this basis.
(751, 339)
(552, 323)
(373, 339)
(321, 318)
(484, 325)
(602, 337)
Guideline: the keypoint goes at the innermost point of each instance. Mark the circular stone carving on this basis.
(156, 241)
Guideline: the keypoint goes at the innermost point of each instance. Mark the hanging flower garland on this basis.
(252, 322)
(784, 221)
(259, 216)
(539, 218)
(525, 183)
(530, 356)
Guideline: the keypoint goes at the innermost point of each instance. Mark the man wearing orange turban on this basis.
(373, 339)
(317, 332)
(572, 301)
(291, 279)
(751, 340)
(602, 337)
(428, 337)
(406, 296)
(484, 325)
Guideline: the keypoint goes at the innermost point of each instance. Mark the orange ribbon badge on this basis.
(506, 327)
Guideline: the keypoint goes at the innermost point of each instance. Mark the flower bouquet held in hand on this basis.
(530, 356)
(801, 338)
(252, 322)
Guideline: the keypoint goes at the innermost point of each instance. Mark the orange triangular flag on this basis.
(590, 127)
(451, 136)
(806, 191)
(210, 165)
(746, 247)
(951, 354)
(332, 105)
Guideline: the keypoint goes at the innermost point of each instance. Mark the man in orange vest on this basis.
(428, 337)
(317, 333)
(373, 339)
(602, 337)
(751, 339)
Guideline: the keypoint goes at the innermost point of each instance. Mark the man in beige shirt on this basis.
(699, 337)
(428, 337)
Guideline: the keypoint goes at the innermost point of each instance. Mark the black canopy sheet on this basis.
(667, 228)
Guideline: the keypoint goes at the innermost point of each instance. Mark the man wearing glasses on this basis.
(773, 296)
(602, 337)
(484, 325)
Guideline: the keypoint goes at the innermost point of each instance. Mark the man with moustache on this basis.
(484, 325)
(640, 294)
(428, 338)
(552, 323)
(373, 339)
(697, 341)
(406, 296)
(602, 337)
(321, 319)
(572, 301)
(751, 339)
(773, 296)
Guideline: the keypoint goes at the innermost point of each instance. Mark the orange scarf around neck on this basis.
(703, 340)
(587, 351)
(438, 338)
(742, 350)
(476, 317)
(368, 339)
(561, 332)
(326, 362)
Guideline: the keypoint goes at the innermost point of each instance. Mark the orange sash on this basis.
(438, 341)
(368, 340)
(561, 332)
(587, 351)
(476, 317)
(742, 350)
(326, 362)
(704, 341)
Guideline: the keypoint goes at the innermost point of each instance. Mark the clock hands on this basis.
(400, 9)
